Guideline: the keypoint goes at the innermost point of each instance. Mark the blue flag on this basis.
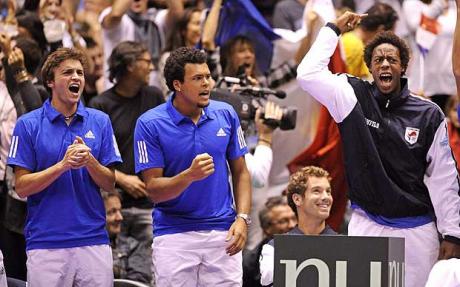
(241, 17)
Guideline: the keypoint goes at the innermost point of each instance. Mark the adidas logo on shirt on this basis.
(221, 133)
(89, 135)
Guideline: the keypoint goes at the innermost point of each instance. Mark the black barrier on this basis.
(340, 261)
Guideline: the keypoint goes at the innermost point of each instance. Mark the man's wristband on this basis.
(21, 76)
(334, 28)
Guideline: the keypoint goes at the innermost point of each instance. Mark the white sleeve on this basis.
(259, 165)
(441, 179)
(8, 117)
(445, 273)
(331, 90)
(267, 263)
(3, 282)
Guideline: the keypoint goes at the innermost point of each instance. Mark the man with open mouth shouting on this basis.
(183, 148)
(400, 169)
(61, 154)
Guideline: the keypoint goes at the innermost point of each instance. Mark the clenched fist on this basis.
(202, 166)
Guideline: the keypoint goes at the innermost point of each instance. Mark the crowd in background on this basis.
(258, 43)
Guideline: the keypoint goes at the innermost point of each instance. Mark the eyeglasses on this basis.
(283, 221)
(148, 61)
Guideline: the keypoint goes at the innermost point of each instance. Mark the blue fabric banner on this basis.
(241, 17)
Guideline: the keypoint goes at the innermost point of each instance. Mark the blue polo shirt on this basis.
(69, 212)
(166, 139)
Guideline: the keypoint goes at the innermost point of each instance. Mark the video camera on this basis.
(247, 99)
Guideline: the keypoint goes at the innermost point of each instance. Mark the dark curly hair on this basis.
(388, 37)
(123, 55)
(379, 14)
(175, 64)
(298, 182)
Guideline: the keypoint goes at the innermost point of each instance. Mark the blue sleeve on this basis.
(109, 154)
(237, 146)
(22, 152)
(147, 148)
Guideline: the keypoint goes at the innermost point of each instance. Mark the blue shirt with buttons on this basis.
(166, 139)
(70, 211)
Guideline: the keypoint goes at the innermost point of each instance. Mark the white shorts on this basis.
(421, 244)
(195, 258)
(77, 266)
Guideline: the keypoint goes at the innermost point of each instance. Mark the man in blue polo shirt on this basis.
(60, 153)
(182, 148)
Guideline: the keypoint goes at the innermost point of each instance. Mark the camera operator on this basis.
(260, 162)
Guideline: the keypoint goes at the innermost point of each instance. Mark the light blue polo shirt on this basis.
(70, 212)
(166, 139)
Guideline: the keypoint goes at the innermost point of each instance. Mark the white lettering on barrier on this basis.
(396, 272)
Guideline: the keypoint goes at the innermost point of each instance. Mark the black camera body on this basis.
(246, 100)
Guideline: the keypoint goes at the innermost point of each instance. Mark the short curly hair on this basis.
(388, 37)
(298, 182)
(56, 58)
(175, 64)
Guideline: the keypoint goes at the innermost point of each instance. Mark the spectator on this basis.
(129, 66)
(125, 266)
(127, 20)
(430, 69)
(259, 165)
(186, 33)
(309, 196)
(288, 14)
(275, 218)
(11, 239)
(65, 235)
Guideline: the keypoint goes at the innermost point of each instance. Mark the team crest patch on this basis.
(411, 135)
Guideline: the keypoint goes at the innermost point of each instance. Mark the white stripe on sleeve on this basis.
(13, 147)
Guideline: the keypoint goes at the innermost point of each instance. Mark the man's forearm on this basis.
(119, 8)
(162, 189)
(28, 183)
(241, 187)
(103, 176)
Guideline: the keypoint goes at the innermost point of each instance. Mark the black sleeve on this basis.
(9, 77)
(30, 96)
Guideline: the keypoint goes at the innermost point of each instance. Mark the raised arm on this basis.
(314, 23)
(119, 8)
(313, 75)
(210, 26)
(456, 51)
(27, 97)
